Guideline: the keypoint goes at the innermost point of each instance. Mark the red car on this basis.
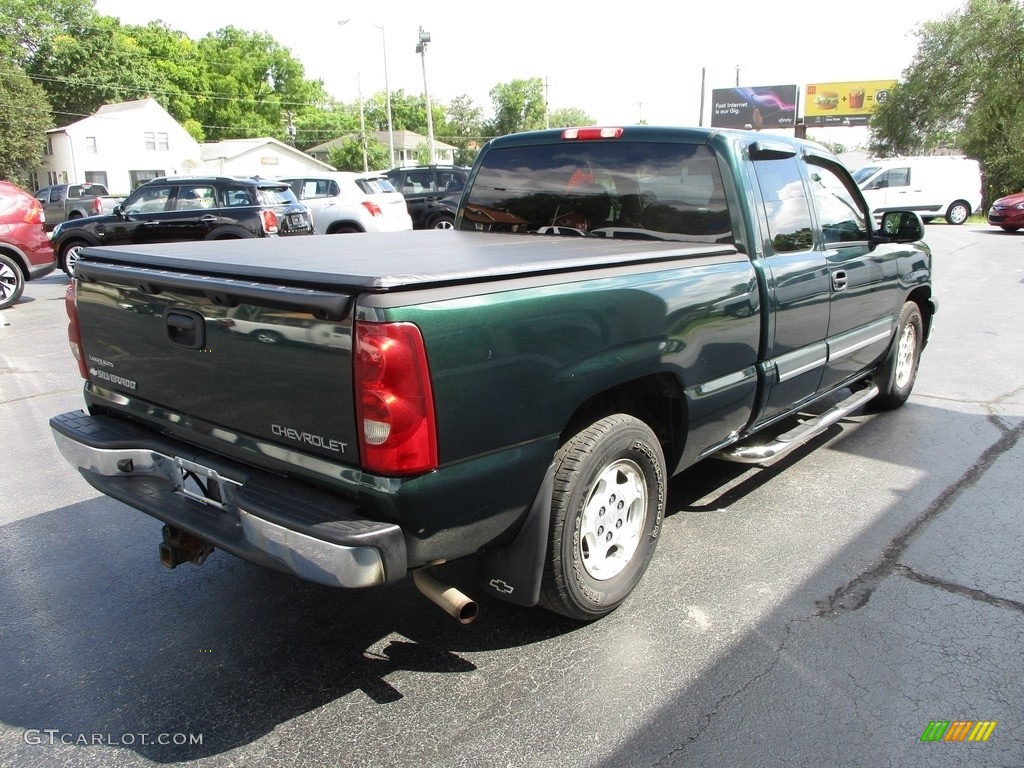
(25, 250)
(1008, 212)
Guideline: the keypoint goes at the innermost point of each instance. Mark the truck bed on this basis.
(368, 261)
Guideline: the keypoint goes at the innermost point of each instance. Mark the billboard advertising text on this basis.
(772, 106)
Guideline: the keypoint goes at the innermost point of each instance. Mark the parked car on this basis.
(25, 250)
(423, 187)
(342, 202)
(170, 209)
(63, 202)
(1008, 212)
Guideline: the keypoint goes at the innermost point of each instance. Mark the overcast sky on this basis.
(618, 61)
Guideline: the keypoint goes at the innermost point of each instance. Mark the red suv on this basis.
(25, 250)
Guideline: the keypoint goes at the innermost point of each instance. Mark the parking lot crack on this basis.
(856, 593)
(960, 589)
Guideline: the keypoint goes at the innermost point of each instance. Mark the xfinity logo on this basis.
(317, 441)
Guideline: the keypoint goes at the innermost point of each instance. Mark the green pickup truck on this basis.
(612, 306)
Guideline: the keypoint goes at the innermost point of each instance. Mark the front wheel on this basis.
(899, 372)
(1009, 229)
(69, 254)
(958, 212)
(606, 513)
(12, 281)
(443, 221)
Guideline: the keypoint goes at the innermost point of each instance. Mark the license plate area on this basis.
(206, 485)
(298, 221)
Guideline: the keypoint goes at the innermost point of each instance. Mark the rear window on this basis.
(376, 185)
(615, 189)
(276, 196)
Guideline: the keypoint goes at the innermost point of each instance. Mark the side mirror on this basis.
(119, 210)
(901, 227)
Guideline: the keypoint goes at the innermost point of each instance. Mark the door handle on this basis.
(839, 280)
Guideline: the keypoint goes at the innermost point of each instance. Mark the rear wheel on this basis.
(606, 513)
(12, 281)
(69, 254)
(899, 372)
(958, 212)
(443, 221)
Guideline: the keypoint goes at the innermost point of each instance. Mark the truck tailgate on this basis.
(193, 353)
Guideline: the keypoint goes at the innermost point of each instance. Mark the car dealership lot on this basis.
(819, 612)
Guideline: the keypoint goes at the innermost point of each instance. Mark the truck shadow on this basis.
(99, 639)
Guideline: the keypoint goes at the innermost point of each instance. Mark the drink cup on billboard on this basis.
(857, 98)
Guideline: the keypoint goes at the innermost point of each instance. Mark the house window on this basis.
(137, 177)
(52, 178)
(96, 177)
(48, 149)
(90, 145)
(156, 140)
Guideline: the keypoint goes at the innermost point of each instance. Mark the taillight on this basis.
(269, 219)
(592, 133)
(372, 207)
(75, 330)
(34, 214)
(394, 401)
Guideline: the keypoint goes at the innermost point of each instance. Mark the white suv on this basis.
(342, 202)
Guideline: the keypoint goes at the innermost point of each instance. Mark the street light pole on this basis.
(387, 88)
(421, 49)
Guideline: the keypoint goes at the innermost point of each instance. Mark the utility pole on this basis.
(421, 49)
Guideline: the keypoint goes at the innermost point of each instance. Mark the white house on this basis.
(120, 146)
(407, 145)
(258, 157)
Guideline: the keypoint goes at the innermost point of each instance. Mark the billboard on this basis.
(770, 106)
(849, 103)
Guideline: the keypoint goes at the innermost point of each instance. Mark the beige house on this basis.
(119, 146)
(407, 146)
(258, 157)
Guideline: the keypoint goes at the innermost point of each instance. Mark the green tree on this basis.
(319, 125)
(518, 106)
(463, 128)
(253, 82)
(569, 117)
(963, 89)
(348, 155)
(26, 24)
(24, 119)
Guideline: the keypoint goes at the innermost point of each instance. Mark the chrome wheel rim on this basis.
(71, 257)
(958, 214)
(444, 224)
(905, 356)
(613, 520)
(8, 281)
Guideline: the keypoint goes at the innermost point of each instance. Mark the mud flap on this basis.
(514, 573)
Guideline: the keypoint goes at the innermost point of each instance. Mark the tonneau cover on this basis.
(381, 262)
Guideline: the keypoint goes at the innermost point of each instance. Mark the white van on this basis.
(933, 186)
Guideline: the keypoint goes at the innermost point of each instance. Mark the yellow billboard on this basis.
(849, 103)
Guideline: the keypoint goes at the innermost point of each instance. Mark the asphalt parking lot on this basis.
(821, 612)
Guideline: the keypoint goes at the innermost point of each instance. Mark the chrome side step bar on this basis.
(784, 443)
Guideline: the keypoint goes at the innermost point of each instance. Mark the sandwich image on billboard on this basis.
(849, 103)
(770, 106)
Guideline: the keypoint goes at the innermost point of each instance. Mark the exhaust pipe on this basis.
(451, 600)
(179, 547)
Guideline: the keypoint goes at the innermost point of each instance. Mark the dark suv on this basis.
(188, 208)
(431, 193)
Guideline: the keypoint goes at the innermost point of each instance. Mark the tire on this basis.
(344, 229)
(958, 212)
(267, 337)
(1009, 229)
(899, 372)
(69, 255)
(12, 281)
(443, 221)
(609, 490)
